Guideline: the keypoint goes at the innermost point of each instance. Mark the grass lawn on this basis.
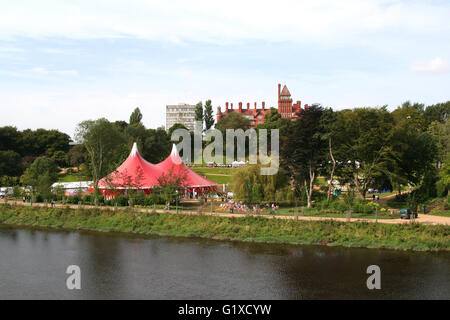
(204, 170)
(256, 229)
(217, 175)
(71, 178)
(290, 211)
(440, 213)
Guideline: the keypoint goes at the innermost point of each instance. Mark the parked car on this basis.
(407, 214)
(2, 195)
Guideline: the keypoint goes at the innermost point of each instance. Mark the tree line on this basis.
(362, 148)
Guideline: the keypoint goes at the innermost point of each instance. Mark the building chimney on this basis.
(264, 105)
(255, 105)
(240, 106)
(218, 110)
(232, 106)
(226, 106)
(279, 91)
(248, 105)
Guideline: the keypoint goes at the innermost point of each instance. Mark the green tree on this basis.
(60, 158)
(171, 183)
(41, 175)
(365, 152)
(440, 131)
(157, 145)
(208, 115)
(42, 142)
(105, 145)
(175, 127)
(10, 139)
(437, 112)
(11, 164)
(273, 120)
(305, 149)
(199, 112)
(76, 156)
(252, 187)
(136, 117)
(329, 133)
(414, 149)
(233, 120)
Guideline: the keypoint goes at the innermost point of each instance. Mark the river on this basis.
(33, 266)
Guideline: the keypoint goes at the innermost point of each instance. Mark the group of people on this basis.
(239, 207)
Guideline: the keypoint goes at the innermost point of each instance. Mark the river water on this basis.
(33, 266)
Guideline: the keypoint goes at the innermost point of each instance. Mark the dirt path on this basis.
(423, 218)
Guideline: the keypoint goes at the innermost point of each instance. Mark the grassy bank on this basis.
(260, 229)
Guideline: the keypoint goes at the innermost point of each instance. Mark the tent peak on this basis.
(174, 155)
(174, 150)
(134, 150)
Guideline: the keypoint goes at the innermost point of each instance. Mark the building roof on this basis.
(285, 91)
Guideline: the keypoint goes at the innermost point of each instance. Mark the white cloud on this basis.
(43, 71)
(219, 22)
(436, 66)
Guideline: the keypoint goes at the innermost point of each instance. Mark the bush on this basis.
(38, 198)
(73, 199)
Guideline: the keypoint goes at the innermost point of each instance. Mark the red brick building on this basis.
(256, 115)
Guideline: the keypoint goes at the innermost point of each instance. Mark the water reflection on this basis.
(115, 267)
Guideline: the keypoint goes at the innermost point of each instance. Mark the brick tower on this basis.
(285, 106)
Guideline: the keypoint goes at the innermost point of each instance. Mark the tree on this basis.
(43, 142)
(41, 175)
(10, 139)
(11, 164)
(171, 183)
(233, 120)
(273, 120)
(105, 145)
(413, 148)
(365, 152)
(136, 133)
(328, 127)
(208, 115)
(443, 184)
(416, 106)
(304, 150)
(157, 145)
(199, 112)
(136, 117)
(175, 127)
(76, 156)
(440, 131)
(60, 158)
(252, 187)
(437, 112)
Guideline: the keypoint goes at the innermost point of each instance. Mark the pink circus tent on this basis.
(175, 164)
(137, 173)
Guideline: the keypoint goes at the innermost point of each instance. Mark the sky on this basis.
(62, 62)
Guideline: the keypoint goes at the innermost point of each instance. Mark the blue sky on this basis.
(62, 62)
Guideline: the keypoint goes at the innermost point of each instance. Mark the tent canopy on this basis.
(175, 165)
(137, 173)
(134, 172)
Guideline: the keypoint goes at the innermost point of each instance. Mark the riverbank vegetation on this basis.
(359, 234)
